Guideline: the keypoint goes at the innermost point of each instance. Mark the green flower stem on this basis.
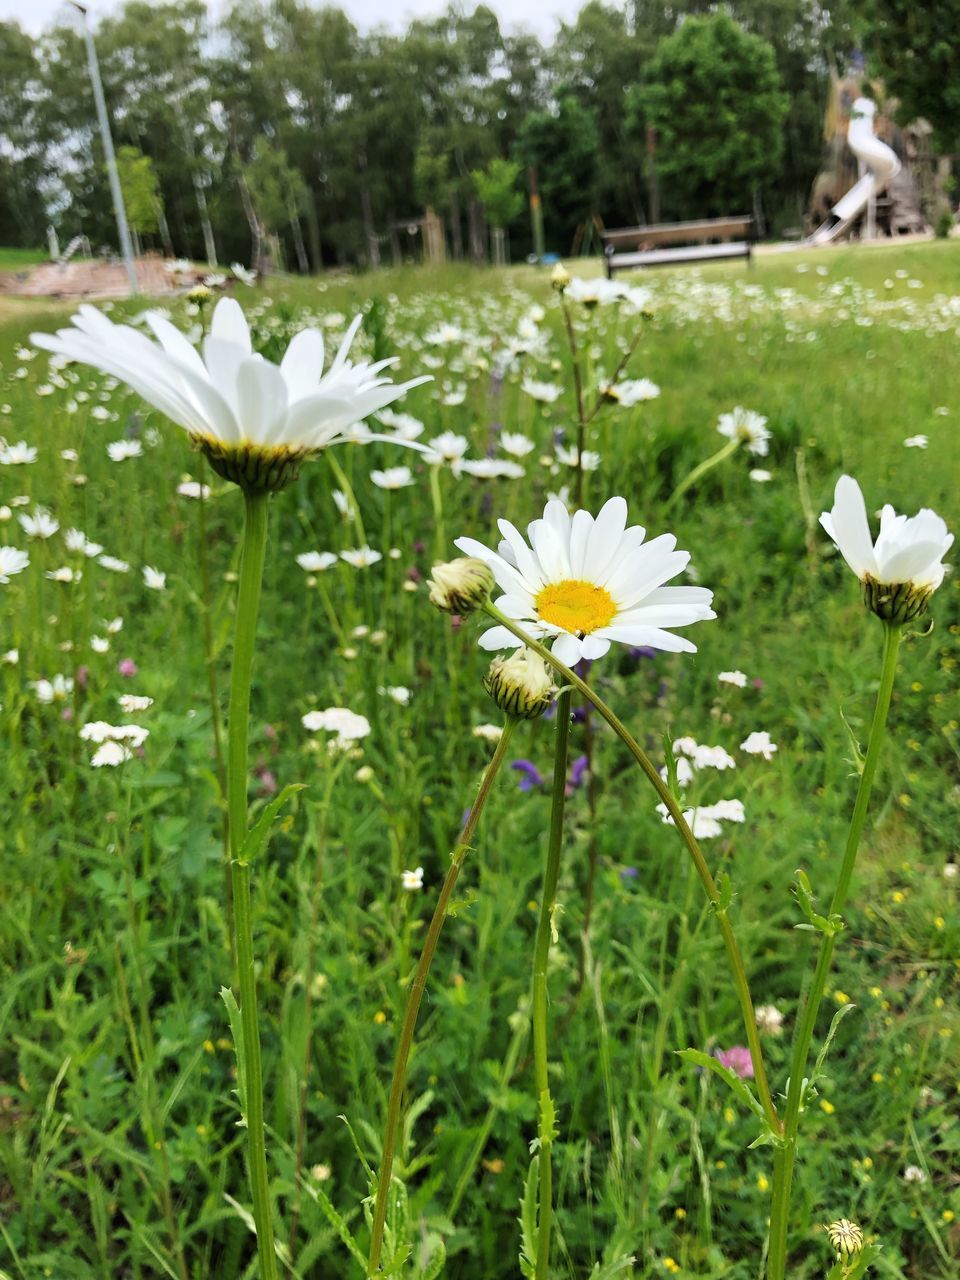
(541, 954)
(702, 468)
(248, 603)
(411, 1012)
(786, 1157)
(686, 835)
(581, 410)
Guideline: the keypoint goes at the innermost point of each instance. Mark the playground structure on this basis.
(867, 186)
(878, 164)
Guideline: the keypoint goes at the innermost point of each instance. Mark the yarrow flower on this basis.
(582, 583)
(341, 721)
(254, 420)
(900, 572)
(758, 744)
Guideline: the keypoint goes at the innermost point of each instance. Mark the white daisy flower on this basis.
(759, 476)
(748, 427)
(12, 561)
(583, 583)
(516, 444)
(114, 564)
(490, 468)
(316, 561)
(916, 442)
(412, 880)
(488, 732)
(17, 455)
(255, 421)
(630, 392)
(56, 690)
(341, 721)
(120, 450)
(77, 540)
(447, 447)
(64, 574)
(570, 457)
(99, 644)
(904, 567)
(343, 504)
(398, 692)
(361, 557)
(405, 426)
(153, 578)
(193, 489)
(545, 392)
(392, 478)
(40, 525)
(758, 743)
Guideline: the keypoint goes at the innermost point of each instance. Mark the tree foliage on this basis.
(916, 48)
(336, 135)
(713, 97)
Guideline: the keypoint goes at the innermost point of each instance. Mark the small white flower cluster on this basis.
(115, 743)
(346, 726)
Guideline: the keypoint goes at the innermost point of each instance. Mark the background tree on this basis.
(562, 145)
(712, 94)
(141, 192)
(502, 200)
(916, 48)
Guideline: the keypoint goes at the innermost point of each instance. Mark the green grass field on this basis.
(120, 1153)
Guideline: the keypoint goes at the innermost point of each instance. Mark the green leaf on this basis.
(436, 1263)
(236, 1031)
(259, 833)
(671, 759)
(725, 889)
(528, 1221)
(336, 1220)
(803, 892)
(706, 1060)
(838, 1017)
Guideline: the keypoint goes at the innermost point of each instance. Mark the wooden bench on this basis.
(665, 243)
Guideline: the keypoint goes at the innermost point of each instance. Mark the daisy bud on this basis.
(461, 586)
(520, 685)
(846, 1237)
(560, 277)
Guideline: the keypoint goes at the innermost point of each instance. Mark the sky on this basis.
(540, 16)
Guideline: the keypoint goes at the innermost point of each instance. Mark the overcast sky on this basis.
(539, 16)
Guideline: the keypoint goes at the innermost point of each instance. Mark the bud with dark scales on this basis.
(461, 586)
(520, 685)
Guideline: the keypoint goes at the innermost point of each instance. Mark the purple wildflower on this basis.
(127, 667)
(530, 774)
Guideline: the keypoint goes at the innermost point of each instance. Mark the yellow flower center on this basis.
(576, 606)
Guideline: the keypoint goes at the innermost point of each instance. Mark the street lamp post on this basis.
(123, 231)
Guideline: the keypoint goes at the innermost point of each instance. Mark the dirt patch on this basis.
(90, 278)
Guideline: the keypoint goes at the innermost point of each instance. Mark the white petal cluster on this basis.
(345, 724)
(598, 560)
(231, 395)
(907, 550)
(12, 561)
(748, 427)
(758, 743)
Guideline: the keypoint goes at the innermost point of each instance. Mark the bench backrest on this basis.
(677, 233)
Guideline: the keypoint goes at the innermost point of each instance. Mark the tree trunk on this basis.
(373, 241)
(477, 227)
(313, 231)
(164, 230)
(259, 259)
(209, 244)
(456, 231)
(303, 262)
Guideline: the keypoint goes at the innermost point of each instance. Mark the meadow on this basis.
(120, 1152)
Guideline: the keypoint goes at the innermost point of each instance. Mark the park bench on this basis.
(666, 243)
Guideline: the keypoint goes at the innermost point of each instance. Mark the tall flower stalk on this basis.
(248, 606)
(786, 1154)
(716, 896)
(415, 992)
(546, 925)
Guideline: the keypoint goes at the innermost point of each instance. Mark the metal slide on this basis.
(881, 165)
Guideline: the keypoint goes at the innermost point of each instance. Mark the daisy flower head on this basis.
(902, 569)
(255, 421)
(583, 582)
(12, 561)
(748, 428)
